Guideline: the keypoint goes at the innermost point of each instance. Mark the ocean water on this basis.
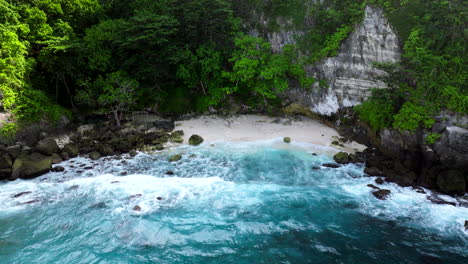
(232, 203)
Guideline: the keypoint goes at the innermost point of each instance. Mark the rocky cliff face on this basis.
(350, 75)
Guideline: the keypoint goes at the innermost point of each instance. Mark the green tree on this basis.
(113, 94)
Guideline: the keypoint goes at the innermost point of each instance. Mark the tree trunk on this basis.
(116, 117)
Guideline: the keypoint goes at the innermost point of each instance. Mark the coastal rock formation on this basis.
(30, 166)
(351, 74)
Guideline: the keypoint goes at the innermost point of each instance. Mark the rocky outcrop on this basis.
(30, 166)
(351, 74)
(93, 141)
(409, 159)
(195, 140)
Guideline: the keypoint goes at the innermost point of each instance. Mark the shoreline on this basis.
(251, 128)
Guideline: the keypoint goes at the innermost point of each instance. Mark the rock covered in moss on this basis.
(94, 155)
(175, 158)
(195, 140)
(341, 158)
(177, 136)
(71, 149)
(287, 140)
(28, 166)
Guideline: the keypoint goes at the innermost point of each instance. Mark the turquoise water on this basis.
(232, 203)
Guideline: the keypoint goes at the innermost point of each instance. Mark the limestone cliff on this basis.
(350, 75)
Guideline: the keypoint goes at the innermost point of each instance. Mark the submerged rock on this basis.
(381, 194)
(195, 140)
(74, 187)
(21, 194)
(466, 224)
(135, 196)
(341, 158)
(58, 169)
(31, 166)
(133, 153)
(100, 205)
(331, 165)
(169, 173)
(438, 200)
(136, 208)
(287, 140)
(373, 186)
(175, 158)
(379, 181)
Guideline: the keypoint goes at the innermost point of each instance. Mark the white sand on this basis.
(247, 128)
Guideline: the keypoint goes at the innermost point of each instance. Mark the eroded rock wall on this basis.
(351, 74)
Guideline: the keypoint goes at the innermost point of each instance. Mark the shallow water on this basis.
(232, 203)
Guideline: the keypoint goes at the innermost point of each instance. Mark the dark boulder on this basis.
(372, 171)
(164, 124)
(106, 150)
(341, 158)
(5, 161)
(95, 155)
(287, 140)
(71, 149)
(331, 165)
(31, 166)
(133, 153)
(65, 156)
(136, 208)
(381, 194)
(195, 140)
(373, 186)
(21, 194)
(58, 169)
(452, 182)
(379, 181)
(5, 174)
(47, 147)
(14, 151)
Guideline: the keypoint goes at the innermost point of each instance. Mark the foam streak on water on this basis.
(233, 203)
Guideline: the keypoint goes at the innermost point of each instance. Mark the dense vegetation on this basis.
(433, 71)
(112, 56)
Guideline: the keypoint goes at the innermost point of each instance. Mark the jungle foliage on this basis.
(189, 55)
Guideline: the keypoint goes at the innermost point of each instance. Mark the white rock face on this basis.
(351, 75)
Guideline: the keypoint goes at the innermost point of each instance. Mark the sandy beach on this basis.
(303, 131)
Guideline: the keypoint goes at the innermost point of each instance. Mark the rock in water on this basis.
(466, 224)
(47, 147)
(133, 153)
(341, 158)
(287, 140)
(175, 158)
(31, 166)
(381, 194)
(373, 186)
(95, 155)
(331, 165)
(137, 208)
(177, 136)
(5, 161)
(195, 140)
(451, 182)
(379, 181)
(58, 169)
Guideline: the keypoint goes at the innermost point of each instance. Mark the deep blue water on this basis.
(232, 203)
